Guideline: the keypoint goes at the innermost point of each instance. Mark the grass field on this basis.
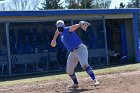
(63, 75)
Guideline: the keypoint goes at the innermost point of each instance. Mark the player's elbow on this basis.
(74, 27)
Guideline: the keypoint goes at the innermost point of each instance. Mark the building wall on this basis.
(36, 19)
(66, 17)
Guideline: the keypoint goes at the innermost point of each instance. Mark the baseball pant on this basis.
(79, 55)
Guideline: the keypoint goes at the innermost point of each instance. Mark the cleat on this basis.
(96, 83)
(73, 86)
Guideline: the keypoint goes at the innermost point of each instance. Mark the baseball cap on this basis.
(60, 23)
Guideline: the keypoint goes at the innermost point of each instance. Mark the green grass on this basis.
(112, 69)
(64, 76)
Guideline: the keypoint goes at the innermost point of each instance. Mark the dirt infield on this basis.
(128, 82)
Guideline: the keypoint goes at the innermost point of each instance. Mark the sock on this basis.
(90, 72)
(73, 77)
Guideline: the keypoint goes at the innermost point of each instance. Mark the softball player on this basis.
(78, 51)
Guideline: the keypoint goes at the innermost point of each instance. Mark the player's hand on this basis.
(53, 43)
(84, 25)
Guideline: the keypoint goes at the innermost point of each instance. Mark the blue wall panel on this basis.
(123, 39)
(135, 31)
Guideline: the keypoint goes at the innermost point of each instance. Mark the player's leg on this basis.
(71, 64)
(83, 58)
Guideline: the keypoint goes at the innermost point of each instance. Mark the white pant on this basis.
(81, 55)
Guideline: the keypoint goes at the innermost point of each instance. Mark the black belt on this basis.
(76, 48)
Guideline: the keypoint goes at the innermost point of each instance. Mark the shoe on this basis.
(96, 82)
(73, 86)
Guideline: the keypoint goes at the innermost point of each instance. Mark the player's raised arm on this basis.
(53, 43)
(83, 24)
(74, 27)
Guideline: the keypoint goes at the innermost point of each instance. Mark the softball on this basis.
(53, 44)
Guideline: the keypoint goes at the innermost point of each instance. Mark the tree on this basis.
(33, 5)
(79, 4)
(51, 4)
(122, 5)
(102, 3)
(72, 4)
(87, 4)
(2, 5)
(20, 5)
(137, 4)
(133, 4)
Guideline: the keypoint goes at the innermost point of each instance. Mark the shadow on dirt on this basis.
(79, 90)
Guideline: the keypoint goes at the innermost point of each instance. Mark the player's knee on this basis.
(85, 66)
(69, 72)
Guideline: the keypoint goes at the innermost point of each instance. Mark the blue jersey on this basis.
(70, 39)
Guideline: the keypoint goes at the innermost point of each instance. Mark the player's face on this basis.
(60, 29)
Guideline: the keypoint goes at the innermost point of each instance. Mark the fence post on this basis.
(8, 48)
(105, 37)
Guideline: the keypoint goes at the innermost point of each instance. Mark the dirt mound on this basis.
(128, 82)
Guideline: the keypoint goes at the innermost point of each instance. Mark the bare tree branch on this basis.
(21, 5)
